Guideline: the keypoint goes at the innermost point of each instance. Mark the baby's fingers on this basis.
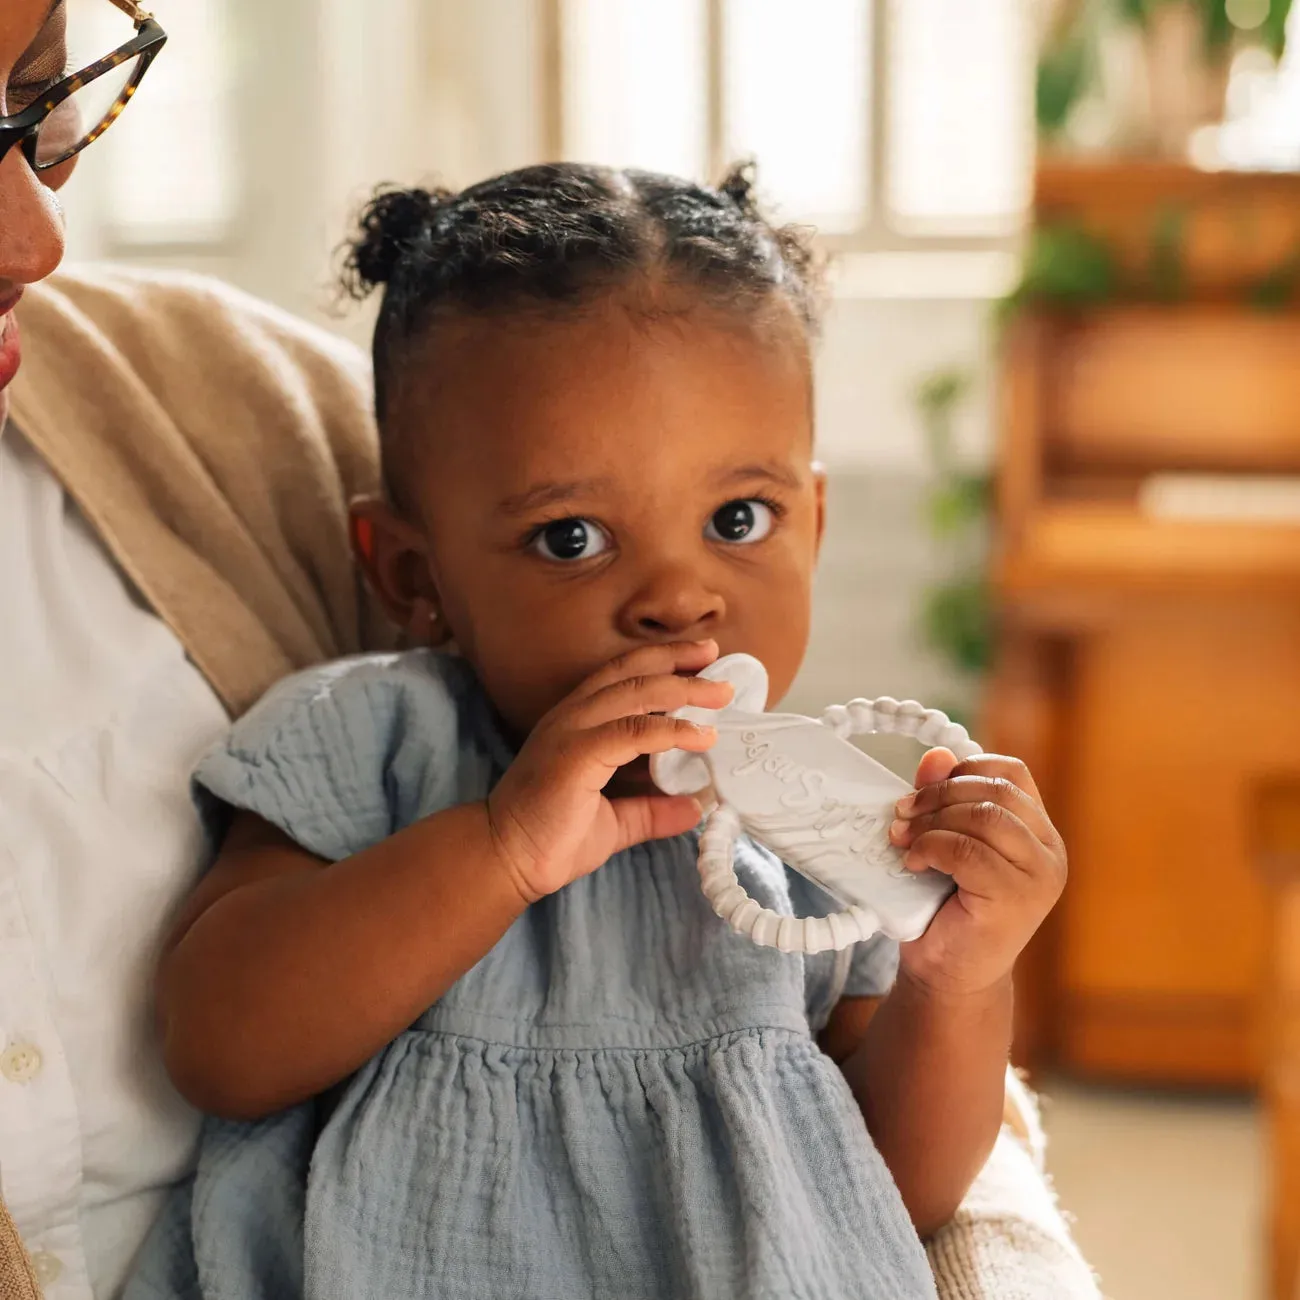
(653, 817)
(989, 786)
(987, 822)
(610, 746)
(935, 765)
(976, 869)
(998, 767)
(649, 661)
(661, 693)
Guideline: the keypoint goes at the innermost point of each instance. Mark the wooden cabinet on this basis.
(1149, 665)
(1277, 837)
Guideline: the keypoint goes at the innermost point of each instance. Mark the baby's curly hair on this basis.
(560, 234)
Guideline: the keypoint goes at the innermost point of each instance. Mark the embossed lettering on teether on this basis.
(761, 754)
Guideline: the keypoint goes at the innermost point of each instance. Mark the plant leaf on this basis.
(1277, 289)
(937, 397)
(1168, 275)
(1218, 27)
(941, 390)
(956, 622)
(960, 500)
(1133, 11)
(1273, 32)
(1062, 78)
(1066, 264)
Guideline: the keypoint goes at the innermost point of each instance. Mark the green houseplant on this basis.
(1166, 62)
(955, 610)
(1222, 23)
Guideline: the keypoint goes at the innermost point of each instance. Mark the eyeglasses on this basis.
(77, 110)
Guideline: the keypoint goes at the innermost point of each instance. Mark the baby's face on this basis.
(601, 482)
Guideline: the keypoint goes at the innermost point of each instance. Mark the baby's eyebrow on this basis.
(557, 492)
(551, 494)
(772, 471)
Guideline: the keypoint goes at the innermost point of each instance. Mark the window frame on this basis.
(880, 231)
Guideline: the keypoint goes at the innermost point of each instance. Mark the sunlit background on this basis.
(910, 133)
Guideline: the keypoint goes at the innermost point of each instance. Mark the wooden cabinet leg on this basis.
(1279, 830)
(1282, 1098)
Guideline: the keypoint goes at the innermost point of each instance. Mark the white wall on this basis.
(873, 353)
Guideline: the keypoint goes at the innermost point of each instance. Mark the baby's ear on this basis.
(394, 556)
(819, 487)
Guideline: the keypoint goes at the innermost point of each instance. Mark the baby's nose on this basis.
(674, 602)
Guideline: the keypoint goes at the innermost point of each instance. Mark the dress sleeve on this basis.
(339, 757)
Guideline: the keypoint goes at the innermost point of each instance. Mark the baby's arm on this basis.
(929, 1076)
(285, 973)
(928, 1063)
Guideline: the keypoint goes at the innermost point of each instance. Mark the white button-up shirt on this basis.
(102, 718)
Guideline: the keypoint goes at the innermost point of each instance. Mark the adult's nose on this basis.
(31, 225)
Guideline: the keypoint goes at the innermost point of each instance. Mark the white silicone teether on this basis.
(818, 802)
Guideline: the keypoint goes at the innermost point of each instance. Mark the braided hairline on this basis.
(558, 234)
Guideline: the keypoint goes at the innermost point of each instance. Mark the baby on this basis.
(451, 983)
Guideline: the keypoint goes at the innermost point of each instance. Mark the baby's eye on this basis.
(740, 521)
(570, 539)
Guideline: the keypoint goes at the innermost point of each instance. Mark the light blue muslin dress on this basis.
(622, 1099)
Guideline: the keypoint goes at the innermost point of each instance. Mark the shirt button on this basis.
(20, 1062)
(47, 1267)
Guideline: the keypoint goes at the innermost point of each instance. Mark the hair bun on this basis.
(738, 186)
(390, 225)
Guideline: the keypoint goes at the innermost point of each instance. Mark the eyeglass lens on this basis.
(85, 115)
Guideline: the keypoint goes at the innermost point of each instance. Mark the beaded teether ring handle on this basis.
(813, 934)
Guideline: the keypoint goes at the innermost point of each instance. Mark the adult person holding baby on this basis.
(176, 463)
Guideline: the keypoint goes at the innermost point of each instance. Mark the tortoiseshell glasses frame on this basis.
(24, 128)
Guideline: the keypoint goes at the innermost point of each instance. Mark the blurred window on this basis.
(961, 138)
(796, 94)
(166, 168)
(888, 124)
(635, 84)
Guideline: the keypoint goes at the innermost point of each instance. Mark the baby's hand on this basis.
(981, 822)
(549, 818)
